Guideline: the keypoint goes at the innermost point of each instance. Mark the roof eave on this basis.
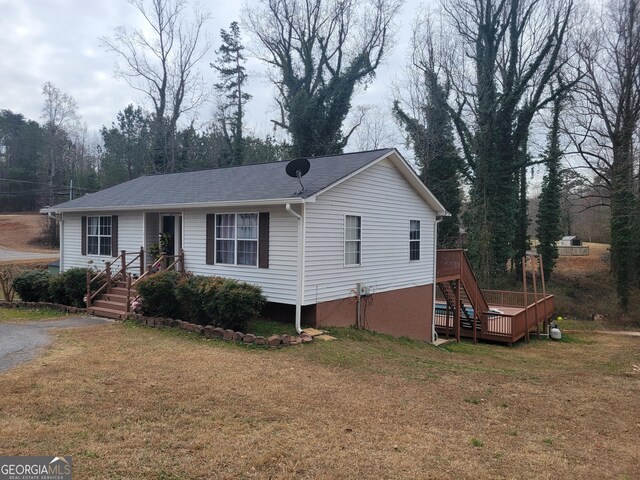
(181, 206)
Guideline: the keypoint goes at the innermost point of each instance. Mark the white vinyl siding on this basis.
(130, 238)
(386, 202)
(278, 282)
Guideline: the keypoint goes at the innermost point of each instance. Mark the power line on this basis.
(46, 184)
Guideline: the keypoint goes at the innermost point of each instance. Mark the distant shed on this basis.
(570, 241)
(571, 245)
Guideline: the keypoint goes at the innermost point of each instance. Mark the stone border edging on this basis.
(209, 331)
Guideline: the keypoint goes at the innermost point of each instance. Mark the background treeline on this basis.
(522, 116)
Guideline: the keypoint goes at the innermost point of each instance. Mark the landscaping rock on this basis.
(285, 339)
(304, 338)
(260, 341)
(72, 310)
(228, 335)
(199, 329)
(249, 338)
(274, 340)
(208, 331)
(238, 336)
(218, 332)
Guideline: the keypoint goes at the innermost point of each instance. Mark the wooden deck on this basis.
(500, 316)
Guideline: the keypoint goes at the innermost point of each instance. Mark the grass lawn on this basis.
(28, 314)
(134, 402)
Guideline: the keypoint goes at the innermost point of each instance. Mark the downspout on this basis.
(435, 262)
(53, 216)
(300, 292)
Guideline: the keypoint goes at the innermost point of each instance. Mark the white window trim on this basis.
(344, 240)
(99, 236)
(235, 244)
(419, 240)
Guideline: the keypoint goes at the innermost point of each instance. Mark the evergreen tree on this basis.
(438, 159)
(549, 225)
(230, 67)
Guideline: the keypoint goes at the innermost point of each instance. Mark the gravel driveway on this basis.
(21, 342)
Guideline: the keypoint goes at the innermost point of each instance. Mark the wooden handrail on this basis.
(122, 273)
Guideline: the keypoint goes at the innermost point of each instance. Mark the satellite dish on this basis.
(298, 168)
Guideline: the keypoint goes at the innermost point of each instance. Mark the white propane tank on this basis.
(555, 333)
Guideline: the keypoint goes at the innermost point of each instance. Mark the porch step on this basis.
(117, 307)
(116, 298)
(122, 291)
(106, 312)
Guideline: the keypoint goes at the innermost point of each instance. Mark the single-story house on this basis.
(351, 242)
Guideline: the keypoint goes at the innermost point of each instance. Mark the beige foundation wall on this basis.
(405, 312)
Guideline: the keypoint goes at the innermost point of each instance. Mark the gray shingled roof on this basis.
(266, 181)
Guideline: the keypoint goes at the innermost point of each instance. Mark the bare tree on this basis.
(161, 60)
(501, 58)
(606, 122)
(320, 51)
(375, 128)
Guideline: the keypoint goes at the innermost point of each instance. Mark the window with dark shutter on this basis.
(263, 240)
(114, 236)
(83, 235)
(211, 239)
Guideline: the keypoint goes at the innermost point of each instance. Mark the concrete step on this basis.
(106, 312)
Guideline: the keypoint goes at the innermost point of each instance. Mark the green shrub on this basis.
(56, 290)
(32, 285)
(75, 286)
(231, 304)
(158, 294)
(189, 296)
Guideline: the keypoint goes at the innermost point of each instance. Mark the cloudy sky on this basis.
(58, 41)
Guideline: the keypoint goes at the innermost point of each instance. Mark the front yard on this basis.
(134, 402)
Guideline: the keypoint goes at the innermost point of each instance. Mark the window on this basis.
(352, 240)
(237, 238)
(414, 239)
(99, 236)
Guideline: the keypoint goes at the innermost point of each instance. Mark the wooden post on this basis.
(88, 289)
(476, 315)
(544, 295)
(181, 262)
(535, 295)
(128, 293)
(142, 259)
(108, 272)
(163, 261)
(457, 320)
(123, 254)
(447, 316)
(526, 310)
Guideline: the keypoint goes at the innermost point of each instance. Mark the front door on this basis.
(171, 233)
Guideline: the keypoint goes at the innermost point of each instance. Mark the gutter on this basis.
(300, 292)
(174, 206)
(435, 263)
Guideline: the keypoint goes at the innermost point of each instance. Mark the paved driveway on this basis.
(21, 342)
(9, 255)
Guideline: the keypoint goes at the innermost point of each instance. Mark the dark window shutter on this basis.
(83, 236)
(263, 240)
(211, 239)
(114, 236)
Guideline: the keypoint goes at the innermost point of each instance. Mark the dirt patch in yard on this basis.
(22, 232)
(132, 402)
